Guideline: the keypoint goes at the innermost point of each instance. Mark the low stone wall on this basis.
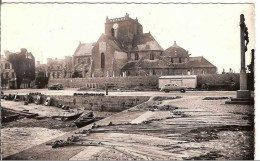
(96, 103)
(119, 82)
(217, 78)
(138, 82)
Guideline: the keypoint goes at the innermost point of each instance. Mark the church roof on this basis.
(84, 49)
(112, 41)
(145, 42)
(193, 62)
(81, 67)
(199, 62)
(175, 51)
(146, 63)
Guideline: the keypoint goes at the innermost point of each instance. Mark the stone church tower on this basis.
(123, 29)
(110, 53)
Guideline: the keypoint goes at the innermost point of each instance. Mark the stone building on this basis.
(17, 69)
(41, 69)
(173, 61)
(8, 76)
(82, 60)
(124, 50)
(60, 68)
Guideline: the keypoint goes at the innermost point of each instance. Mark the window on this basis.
(172, 60)
(58, 75)
(151, 56)
(179, 60)
(12, 74)
(112, 32)
(136, 56)
(53, 75)
(6, 75)
(203, 71)
(188, 72)
(7, 66)
(102, 60)
(154, 72)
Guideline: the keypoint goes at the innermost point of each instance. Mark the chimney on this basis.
(175, 43)
(126, 16)
(7, 54)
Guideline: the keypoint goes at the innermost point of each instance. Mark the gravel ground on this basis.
(193, 129)
(24, 133)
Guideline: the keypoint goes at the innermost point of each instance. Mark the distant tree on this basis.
(24, 66)
(41, 81)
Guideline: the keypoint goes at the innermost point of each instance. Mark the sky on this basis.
(55, 30)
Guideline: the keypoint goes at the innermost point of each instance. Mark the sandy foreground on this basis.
(190, 128)
(20, 138)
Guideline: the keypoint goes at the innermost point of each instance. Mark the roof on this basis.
(199, 62)
(111, 41)
(81, 67)
(175, 51)
(145, 42)
(84, 49)
(193, 62)
(178, 77)
(145, 63)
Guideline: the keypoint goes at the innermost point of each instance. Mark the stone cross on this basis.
(244, 40)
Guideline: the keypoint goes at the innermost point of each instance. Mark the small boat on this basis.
(68, 116)
(85, 119)
(10, 118)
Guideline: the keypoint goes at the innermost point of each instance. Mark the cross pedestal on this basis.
(243, 92)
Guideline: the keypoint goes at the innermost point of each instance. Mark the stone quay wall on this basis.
(95, 103)
(142, 82)
(138, 82)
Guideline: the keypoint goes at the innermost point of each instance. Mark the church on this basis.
(124, 50)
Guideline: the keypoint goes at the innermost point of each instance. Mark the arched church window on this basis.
(172, 59)
(136, 56)
(102, 60)
(151, 56)
(203, 71)
(113, 32)
(179, 59)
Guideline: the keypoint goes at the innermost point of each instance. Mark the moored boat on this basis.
(68, 116)
(85, 119)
